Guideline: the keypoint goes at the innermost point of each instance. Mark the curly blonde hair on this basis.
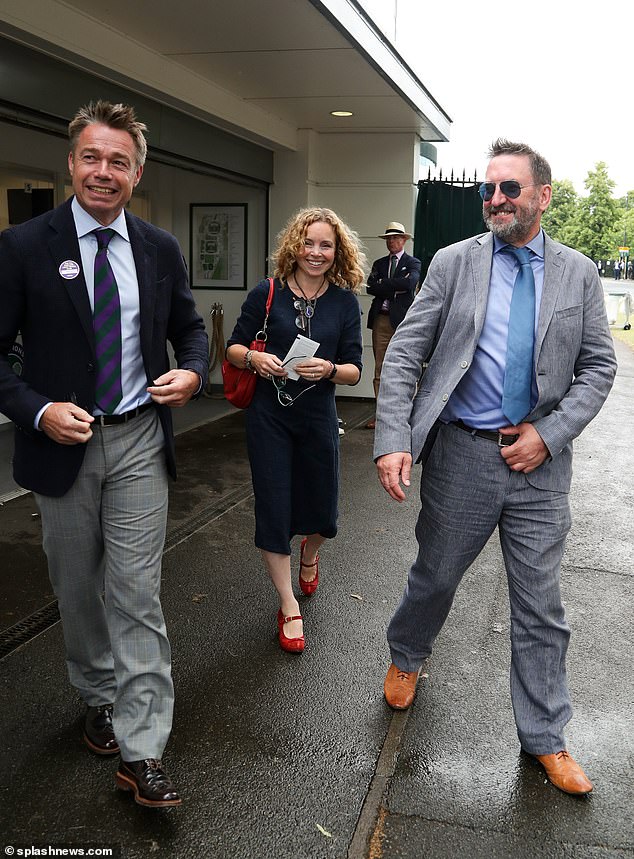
(347, 268)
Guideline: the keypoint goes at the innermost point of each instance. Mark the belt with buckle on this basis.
(111, 420)
(491, 435)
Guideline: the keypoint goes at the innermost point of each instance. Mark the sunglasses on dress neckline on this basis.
(510, 188)
(306, 312)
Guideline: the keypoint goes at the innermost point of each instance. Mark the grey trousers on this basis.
(466, 491)
(104, 542)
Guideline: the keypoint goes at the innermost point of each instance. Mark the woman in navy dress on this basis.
(292, 431)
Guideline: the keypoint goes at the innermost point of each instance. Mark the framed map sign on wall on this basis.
(218, 246)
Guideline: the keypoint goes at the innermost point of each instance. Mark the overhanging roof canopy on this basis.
(262, 70)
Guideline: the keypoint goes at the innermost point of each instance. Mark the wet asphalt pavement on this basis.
(283, 756)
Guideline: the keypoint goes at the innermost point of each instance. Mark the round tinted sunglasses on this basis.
(510, 188)
(306, 312)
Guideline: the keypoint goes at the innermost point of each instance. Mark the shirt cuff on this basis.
(38, 416)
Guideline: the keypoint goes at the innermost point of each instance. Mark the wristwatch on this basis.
(333, 372)
(247, 359)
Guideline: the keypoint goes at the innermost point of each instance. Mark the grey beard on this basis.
(517, 229)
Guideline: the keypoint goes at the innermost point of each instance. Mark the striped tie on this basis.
(107, 327)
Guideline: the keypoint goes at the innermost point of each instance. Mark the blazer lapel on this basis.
(481, 255)
(64, 248)
(553, 278)
(144, 252)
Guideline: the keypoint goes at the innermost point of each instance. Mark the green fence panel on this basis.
(446, 212)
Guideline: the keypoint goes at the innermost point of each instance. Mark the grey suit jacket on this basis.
(574, 354)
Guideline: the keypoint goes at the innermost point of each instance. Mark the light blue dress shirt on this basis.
(477, 399)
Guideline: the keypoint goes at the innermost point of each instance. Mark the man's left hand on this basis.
(528, 452)
(175, 388)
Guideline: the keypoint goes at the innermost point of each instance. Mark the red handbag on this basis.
(238, 382)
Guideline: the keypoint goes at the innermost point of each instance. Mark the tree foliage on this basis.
(593, 224)
(560, 215)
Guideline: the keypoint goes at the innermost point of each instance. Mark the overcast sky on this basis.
(554, 74)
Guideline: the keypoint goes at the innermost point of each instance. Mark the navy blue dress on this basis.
(294, 450)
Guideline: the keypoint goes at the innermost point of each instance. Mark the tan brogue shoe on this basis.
(400, 687)
(565, 773)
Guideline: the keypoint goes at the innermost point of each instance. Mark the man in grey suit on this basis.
(96, 294)
(519, 356)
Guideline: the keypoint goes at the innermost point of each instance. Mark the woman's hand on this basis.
(266, 365)
(314, 369)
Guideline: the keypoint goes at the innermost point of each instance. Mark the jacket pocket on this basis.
(565, 312)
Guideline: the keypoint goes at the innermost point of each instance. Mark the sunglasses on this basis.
(510, 188)
(283, 397)
(306, 312)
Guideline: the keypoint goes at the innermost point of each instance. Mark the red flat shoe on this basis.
(290, 645)
(308, 588)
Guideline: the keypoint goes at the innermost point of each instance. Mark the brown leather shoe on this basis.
(565, 773)
(98, 731)
(149, 782)
(400, 687)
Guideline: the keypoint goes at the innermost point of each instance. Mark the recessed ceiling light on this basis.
(341, 113)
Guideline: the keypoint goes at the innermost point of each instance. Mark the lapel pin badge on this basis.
(69, 269)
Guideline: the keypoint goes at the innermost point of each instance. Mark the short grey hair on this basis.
(540, 168)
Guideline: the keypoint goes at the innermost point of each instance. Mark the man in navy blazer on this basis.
(96, 453)
(488, 461)
(392, 282)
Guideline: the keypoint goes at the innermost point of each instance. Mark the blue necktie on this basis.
(518, 375)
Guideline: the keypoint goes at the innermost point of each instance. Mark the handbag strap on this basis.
(269, 302)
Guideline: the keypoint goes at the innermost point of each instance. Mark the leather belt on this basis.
(491, 435)
(111, 420)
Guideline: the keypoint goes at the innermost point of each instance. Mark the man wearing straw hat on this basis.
(392, 282)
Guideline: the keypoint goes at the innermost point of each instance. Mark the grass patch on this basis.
(626, 337)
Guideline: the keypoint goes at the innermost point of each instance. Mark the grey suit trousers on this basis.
(466, 491)
(104, 543)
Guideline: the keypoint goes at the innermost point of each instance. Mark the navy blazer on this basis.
(55, 321)
(404, 283)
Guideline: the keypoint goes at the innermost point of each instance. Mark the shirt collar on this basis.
(85, 223)
(536, 245)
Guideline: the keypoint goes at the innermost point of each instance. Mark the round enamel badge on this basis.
(69, 269)
(16, 358)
